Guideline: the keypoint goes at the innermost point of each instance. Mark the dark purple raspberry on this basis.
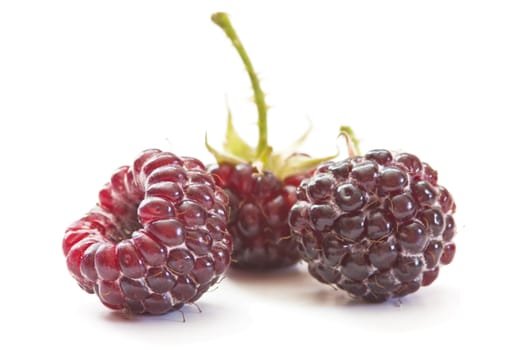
(157, 239)
(377, 226)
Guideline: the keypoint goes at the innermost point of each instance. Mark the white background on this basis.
(86, 85)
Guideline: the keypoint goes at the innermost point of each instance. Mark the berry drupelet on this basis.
(260, 184)
(377, 226)
(156, 240)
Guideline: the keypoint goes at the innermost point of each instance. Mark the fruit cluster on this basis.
(166, 228)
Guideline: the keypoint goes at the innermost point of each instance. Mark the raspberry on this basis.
(260, 184)
(378, 226)
(157, 238)
(259, 206)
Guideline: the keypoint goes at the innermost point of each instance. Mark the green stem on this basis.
(352, 142)
(223, 21)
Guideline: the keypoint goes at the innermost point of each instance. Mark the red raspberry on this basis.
(261, 184)
(259, 205)
(377, 226)
(157, 239)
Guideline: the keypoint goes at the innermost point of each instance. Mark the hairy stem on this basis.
(223, 21)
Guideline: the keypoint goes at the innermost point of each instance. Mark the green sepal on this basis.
(299, 163)
(222, 157)
(234, 144)
(291, 149)
(291, 162)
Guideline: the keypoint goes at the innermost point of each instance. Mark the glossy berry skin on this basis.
(259, 204)
(377, 226)
(156, 240)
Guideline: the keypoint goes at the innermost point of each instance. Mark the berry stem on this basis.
(223, 21)
(352, 143)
